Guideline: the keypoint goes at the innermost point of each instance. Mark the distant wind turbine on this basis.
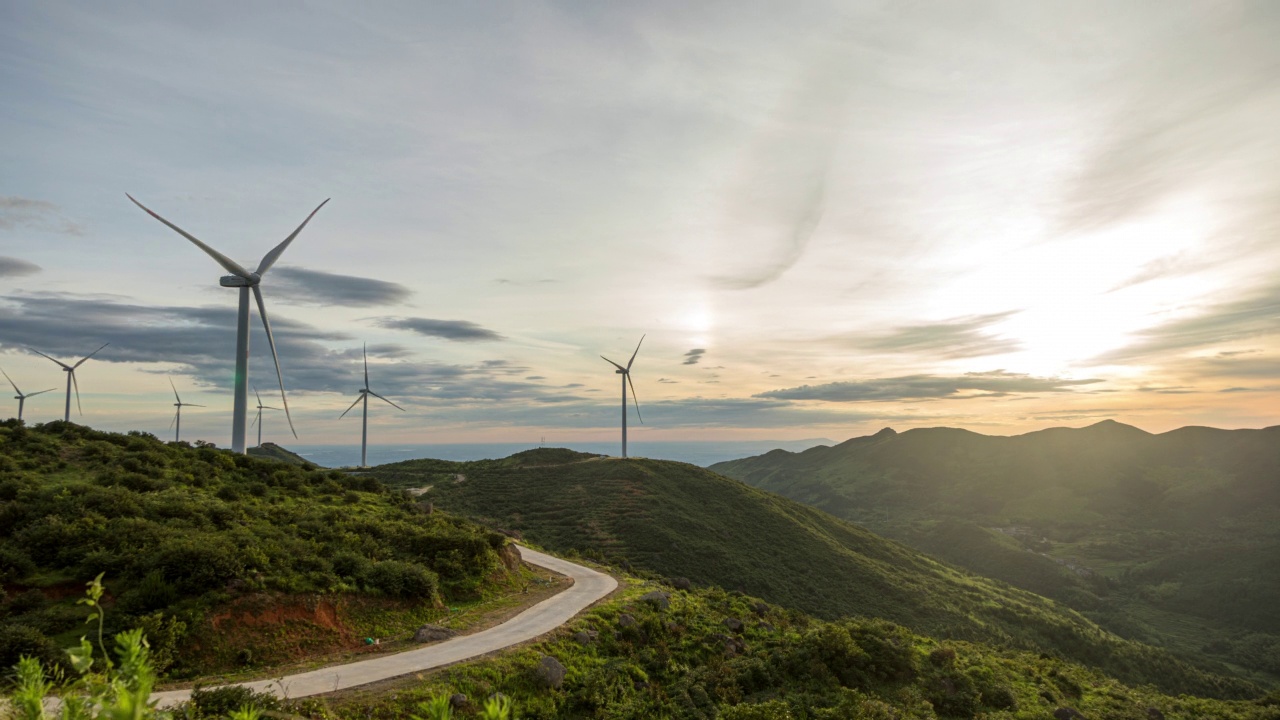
(177, 416)
(246, 281)
(70, 370)
(365, 392)
(625, 372)
(258, 420)
(22, 399)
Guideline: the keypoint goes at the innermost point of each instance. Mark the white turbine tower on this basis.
(70, 370)
(625, 372)
(177, 416)
(258, 420)
(365, 392)
(246, 281)
(22, 399)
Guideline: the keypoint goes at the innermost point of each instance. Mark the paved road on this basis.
(588, 587)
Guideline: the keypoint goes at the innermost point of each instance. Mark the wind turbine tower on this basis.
(22, 399)
(258, 420)
(177, 416)
(246, 281)
(70, 370)
(365, 392)
(625, 372)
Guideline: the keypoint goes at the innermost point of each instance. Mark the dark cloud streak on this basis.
(312, 287)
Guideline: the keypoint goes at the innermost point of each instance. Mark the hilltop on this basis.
(272, 451)
(228, 562)
(681, 521)
(1168, 538)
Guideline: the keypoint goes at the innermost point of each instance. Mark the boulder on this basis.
(626, 620)
(585, 637)
(1066, 713)
(510, 556)
(657, 598)
(458, 701)
(734, 624)
(551, 672)
(433, 633)
(681, 583)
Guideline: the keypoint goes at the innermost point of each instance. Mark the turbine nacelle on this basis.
(236, 281)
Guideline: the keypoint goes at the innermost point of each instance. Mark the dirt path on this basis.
(588, 587)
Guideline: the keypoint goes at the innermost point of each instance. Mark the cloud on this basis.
(1177, 264)
(458, 330)
(668, 381)
(19, 212)
(1245, 319)
(311, 287)
(693, 356)
(13, 267)
(997, 383)
(964, 337)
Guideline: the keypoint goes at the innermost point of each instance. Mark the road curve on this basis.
(588, 587)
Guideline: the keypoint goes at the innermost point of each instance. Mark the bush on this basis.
(403, 580)
(220, 702)
(17, 641)
(198, 564)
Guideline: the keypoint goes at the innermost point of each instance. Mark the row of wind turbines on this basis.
(248, 282)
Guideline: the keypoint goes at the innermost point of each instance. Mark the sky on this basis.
(823, 218)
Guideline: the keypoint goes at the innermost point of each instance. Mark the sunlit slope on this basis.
(683, 521)
(1171, 538)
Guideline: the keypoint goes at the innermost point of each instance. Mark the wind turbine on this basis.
(625, 372)
(70, 370)
(177, 416)
(258, 420)
(365, 392)
(246, 281)
(22, 399)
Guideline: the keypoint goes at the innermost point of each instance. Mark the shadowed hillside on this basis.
(1169, 538)
(683, 521)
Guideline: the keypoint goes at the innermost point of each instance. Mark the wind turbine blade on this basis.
(227, 263)
(175, 391)
(86, 357)
(386, 401)
(620, 368)
(266, 324)
(255, 394)
(357, 402)
(76, 384)
(14, 384)
(366, 366)
(270, 258)
(637, 352)
(64, 365)
(191, 405)
(268, 407)
(41, 391)
(256, 417)
(174, 420)
(633, 397)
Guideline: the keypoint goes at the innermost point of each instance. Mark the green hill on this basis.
(682, 521)
(1173, 538)
(272, 451)
(193, 541)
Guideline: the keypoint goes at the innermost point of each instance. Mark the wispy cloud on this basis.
(1251, 317)
(313, 287)
(964, 337)
(996, 383)
(458, 330)
(15, 267)
(25, 213)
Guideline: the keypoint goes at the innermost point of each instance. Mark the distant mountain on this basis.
(1172, 538)
(679, 520)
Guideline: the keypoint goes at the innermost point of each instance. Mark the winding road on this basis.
(588, 587)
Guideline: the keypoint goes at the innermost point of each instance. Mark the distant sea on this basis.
(697, 453)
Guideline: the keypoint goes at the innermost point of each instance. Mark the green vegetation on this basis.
(1170, 539)
(707, 653)
(681, 521)
(272, 451)
(225, 561)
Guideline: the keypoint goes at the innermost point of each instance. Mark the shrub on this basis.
(403, 580)
(219, 702)
(198, 564)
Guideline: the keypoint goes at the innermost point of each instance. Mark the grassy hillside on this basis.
(1173, 539)
(679, 520)
(712, 654)
(272, 451)
(201, 547)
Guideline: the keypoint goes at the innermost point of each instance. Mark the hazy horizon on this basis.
(827, 217)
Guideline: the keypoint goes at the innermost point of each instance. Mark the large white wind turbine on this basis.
(246, 281)
(625, 372)
(258, 420)
(177, 416)
(22, 399)
(70, 370)
(365, 392)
